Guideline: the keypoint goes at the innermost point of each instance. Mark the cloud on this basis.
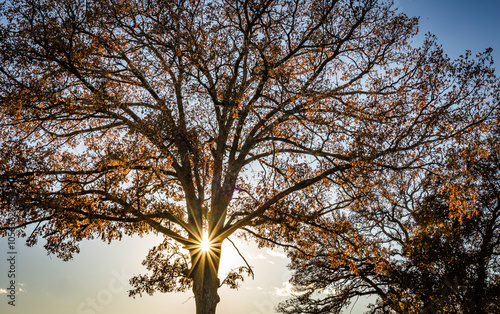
(3, 291)
(276, 254)
(289, 290)
(254, 256)
(329, 291)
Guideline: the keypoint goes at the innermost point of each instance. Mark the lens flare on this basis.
(205, 244)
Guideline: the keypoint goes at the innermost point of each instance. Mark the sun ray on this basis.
(205, 244)
(205, 252)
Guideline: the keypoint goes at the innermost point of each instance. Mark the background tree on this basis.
(127, 117)
(424, 241)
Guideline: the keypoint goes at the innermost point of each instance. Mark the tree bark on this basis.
(205, 279)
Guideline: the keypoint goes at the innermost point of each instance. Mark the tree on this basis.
(128, 117)
(426, 242)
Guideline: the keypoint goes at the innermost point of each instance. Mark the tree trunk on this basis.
(475, 306)
(205, 280)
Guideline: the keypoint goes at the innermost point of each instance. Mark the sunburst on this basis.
(205, 244)
(206, 254)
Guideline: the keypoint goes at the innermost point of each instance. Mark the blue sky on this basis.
(96, 280)
(458, 24)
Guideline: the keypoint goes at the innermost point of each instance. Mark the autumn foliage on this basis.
(426, 241)
(129, 117)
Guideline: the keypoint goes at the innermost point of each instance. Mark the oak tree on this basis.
(426, 240)
(190, 118)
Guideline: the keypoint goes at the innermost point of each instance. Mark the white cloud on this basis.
(328, 291)
(276, 254)
(289, 290)
(3, 291)
(254, 256)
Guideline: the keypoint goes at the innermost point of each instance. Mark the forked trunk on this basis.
(205, 280)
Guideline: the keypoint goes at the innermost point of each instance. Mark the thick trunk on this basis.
(474, 306)
(205, 280)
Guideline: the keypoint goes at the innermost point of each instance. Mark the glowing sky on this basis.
(96, 281)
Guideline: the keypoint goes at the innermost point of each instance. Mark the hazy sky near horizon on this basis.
(96, 280)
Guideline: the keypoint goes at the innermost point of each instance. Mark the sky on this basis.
(96, 280)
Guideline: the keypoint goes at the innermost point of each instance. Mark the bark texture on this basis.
(205, 279)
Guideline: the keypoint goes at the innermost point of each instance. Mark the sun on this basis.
(205, 244)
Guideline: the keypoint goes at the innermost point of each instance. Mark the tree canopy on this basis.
(186, 118)
(425, 240)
